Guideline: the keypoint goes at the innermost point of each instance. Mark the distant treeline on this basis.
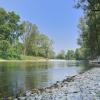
(22, 38)
(71, 55)
(89, 30)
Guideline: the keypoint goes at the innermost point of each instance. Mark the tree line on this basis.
(89, 28)
(71, 55)
(22, 38)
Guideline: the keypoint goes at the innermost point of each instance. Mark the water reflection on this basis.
(22, 76)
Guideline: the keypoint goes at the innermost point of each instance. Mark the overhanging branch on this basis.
(95, 10)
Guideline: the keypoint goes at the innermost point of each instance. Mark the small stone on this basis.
(15, 99)
(28, 93)
(10, 98)
(22, 98)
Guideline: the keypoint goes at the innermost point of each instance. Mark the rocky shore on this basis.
(85, 86)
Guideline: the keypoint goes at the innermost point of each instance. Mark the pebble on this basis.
(85, 86)
(22, 98)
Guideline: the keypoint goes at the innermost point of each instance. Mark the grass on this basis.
(31, 58)
(25, 58)
(1, 59)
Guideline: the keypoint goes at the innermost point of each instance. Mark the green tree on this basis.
(34, 42)
(4, 46)
(90, 35)
(61, 55)
(9, 26)
(70, 55)
(80, 54)
(10, 30)
(27, 37)
(22, 38)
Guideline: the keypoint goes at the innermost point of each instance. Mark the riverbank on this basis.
(85, 86)
(37, 59)
(25, 59)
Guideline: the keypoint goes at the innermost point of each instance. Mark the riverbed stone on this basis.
(28, 93)
(22, 98)
(15, 99)
(85, 86)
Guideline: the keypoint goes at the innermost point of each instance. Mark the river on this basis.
(17, 77)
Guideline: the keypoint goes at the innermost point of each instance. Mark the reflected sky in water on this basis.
(21, 76)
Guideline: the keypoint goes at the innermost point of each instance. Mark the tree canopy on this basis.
(90, 27)
(21, 38)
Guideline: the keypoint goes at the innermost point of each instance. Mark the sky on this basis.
(58, 19)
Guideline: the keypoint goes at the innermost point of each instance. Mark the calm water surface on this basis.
(21, 76)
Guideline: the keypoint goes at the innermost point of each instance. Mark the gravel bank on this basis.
(85, 86)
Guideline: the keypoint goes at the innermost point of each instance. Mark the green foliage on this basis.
(70, 55)
(90, 27)
(61, 55)
(80, 54)
(9, 34)
(9, 26)
(35, 43)
(4, 45)
(7, 51)
(23, 57)
(12, 53)
(21, 38)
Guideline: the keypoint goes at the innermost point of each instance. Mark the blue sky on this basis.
(58, 19)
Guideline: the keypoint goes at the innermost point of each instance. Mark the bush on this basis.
(4, 46)
(12, 53)
(7, 51)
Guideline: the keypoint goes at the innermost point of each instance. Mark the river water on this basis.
(17, 77)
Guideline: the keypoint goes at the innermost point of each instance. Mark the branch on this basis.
(96, 10)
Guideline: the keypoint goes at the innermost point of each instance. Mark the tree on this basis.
(29, 33)
(18, 38)
(10, 30)
(9, 26)
(46, 45)
(61, 55)
(90, 38)
(70, 55)
(34, 42)
(4, 46)
(80, 54)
